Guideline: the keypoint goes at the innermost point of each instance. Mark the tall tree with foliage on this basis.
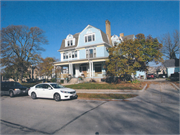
(133, 55)
(21, 47)
(45, 67)
(170, 44)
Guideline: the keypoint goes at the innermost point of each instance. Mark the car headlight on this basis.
(16, 89)
(64, 91)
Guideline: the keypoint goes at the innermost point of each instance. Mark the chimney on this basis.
(108, 30)
(121, 34)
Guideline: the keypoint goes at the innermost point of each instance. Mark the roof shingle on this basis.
(171, 63)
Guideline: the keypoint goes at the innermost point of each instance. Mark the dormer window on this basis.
(115, 43)
(89, 38)
(70, 41)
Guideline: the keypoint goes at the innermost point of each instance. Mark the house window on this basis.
(98, 68)
(74, 54)
(89, 38)
(69, 54)
(115, 43)
(69, 42)
(64, 56)
(91, 53)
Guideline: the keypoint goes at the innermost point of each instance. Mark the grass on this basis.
(127, 86)
(105, 96)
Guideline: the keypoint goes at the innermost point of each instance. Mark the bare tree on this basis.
(170, 44)
(21, 47)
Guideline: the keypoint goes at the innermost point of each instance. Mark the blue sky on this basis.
(60, 18)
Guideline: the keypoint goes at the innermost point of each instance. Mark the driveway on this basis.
(154, 111)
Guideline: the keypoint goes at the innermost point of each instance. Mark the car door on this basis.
(48, 91)
(6, 88)
(39, 90)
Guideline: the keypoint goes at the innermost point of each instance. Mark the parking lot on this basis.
(157, 114)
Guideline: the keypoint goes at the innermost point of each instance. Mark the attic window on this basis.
(89, 38)
(69, 42)
(115, 43)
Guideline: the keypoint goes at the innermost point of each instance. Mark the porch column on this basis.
(76, 70)
(90, 69)
(71, 68)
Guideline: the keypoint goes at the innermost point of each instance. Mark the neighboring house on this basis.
(85, 53)
(140, 74)
(172, 66)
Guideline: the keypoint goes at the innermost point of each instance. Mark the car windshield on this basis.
(56, 86)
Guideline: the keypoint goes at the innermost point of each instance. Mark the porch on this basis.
(93, 68)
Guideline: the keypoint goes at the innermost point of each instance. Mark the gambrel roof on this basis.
(76, 36)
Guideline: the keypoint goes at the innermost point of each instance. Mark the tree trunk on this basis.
(21, 77)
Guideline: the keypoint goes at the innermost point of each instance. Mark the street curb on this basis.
(98, 99)
(175, 86)
(128, 99)
(144, 88)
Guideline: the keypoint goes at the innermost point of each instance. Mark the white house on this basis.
(172, 66)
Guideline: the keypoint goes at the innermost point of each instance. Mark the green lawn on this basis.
(94, 86)
(105, 96)
(101, 86)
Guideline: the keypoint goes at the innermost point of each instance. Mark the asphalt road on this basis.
(154, 111)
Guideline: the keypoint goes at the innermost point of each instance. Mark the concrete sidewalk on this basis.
(110, 91)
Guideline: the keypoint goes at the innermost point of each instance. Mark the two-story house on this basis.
(85, 53)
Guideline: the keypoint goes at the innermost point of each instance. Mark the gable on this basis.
(63, 44)
(92, 36)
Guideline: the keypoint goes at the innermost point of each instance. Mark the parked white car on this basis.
(51, 90)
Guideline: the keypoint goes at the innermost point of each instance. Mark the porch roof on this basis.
(79, 61)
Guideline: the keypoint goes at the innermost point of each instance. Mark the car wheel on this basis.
(11, 94)
(57, 97)
(33, 95)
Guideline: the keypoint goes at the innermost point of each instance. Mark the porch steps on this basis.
(73, 81)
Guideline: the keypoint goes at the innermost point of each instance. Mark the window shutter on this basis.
(87, 53)
(75, 54)
(93, 37)
(94, 52)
